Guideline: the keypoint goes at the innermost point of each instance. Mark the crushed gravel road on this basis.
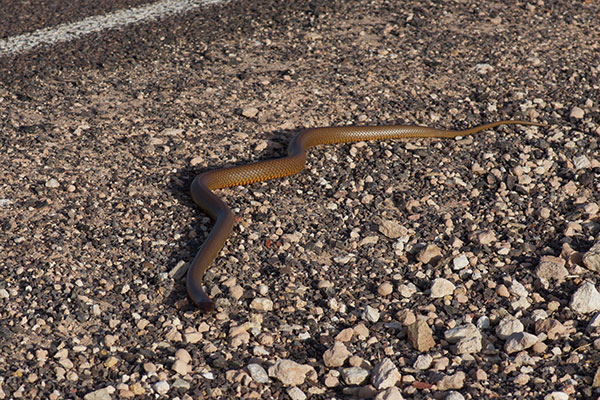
(419, 269)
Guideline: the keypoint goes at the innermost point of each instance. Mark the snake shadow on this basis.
(179, 187)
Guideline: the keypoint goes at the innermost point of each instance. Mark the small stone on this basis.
(354, 375)
(596, 381)
(502, 291)
(586, 299)
(296, 394)
(522, 379)
(385, 289)
(196, 161)
(460, 262)
(192, 337)
(392, 229)
(361, 331)
(183, 355)
(519, 341)
(591, 259)
(552, 268)
(407, 290)
(290, 373)
(371, 314)
(4, 294)
(161, 387)
(385, 375)
(52, 183)
(557, 396)
(430, 254)
(441, 288)
(345, 335)
(181, 367)
(258, 373)
(421, 336)
(336, 356)
(392, 393)
(111, 362)
(577, 113)
(423, 361)
(507, 326)
(455, 381)
(454, 396)
(485, 237)
(250, 112)
(236, 291)
(581, 162)
(100, 394)
(262, 304)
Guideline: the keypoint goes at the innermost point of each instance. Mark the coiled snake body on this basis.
(205, 183)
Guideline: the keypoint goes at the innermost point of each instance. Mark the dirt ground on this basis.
(416, 269)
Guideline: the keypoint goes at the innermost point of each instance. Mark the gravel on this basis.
(467, 266)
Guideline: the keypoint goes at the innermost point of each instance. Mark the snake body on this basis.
(203, 185)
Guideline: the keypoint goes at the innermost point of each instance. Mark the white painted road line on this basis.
(98, 23)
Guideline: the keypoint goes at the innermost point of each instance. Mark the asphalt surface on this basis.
(100, 138)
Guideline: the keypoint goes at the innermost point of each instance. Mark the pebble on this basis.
(557, 396)
(420, 336)
(423, 361)
(181, 367)
(407, 290)
(551, 327)
(551, 267)
(290, 373)
(336, 356)
(261, 304)
(454, 396)
(455, 381)
(100, 394)
(519, 341)
(250, 112)
(392, 229)
(441, 287)
(577, 113)
(485, 237)
(345, 335)
(596, 380)
(258, 373)
(296, 394)
(586, 299)
(460, 262)
(591, 259)
(392, 393)
(52, 183)
(354, 375)
(581, 162)
(507, 326)
(385, 375)
(429, 254)
(4, 294)
(370, 314)
(161, 387)
(385, 289)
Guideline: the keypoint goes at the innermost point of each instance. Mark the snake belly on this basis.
(203, 185)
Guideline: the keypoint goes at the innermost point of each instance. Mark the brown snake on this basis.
(205, 183)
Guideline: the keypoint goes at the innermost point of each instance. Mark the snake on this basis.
(204, 184)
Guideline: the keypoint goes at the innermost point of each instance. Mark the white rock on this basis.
(423, 361)
(354, 375)
(4, 294)
(577, 113)
(460, 332)
(161, 387)
(392, 229)
(507, 326)
(518, 289)
(385, 375)
(371, 314)
(290, 373)
(442, 287)
(52, 183)
(581, 162)
(296, 394)
(557, 396)
(407, 290)
(460, 262)
(586, 299)
(100, 394)
(519, 341)
(454, 396)
(258, 373)
(262, 304)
